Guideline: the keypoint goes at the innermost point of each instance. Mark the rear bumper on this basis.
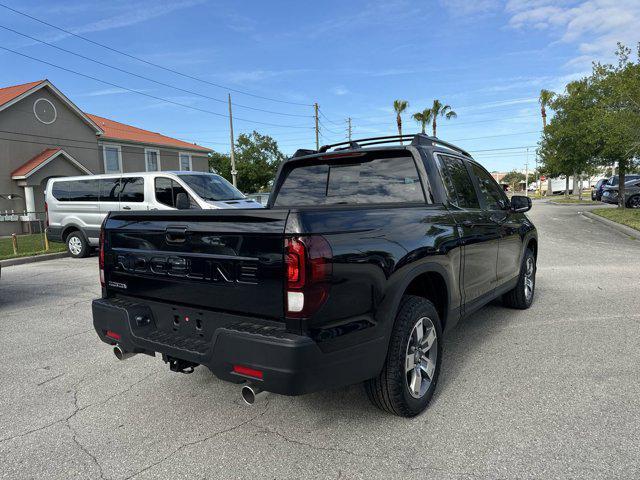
(290, 364)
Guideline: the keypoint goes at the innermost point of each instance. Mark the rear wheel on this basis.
(409, 376)
(77, 244)
(522, 295)
(634, 202)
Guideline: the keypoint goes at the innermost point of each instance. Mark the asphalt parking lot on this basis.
(551, 392)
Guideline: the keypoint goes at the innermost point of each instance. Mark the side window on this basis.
(132, 189)
(109, 189)
(84, 190)
(60, 191)
(458, 183)
(490, 191)
(167, 191)
(163, 191)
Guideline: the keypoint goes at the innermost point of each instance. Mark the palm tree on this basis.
(423, 118)
(440, 110)
(545, 100)
(400, 106)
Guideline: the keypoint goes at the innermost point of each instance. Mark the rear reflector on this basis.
(114, 335)
(247, 372)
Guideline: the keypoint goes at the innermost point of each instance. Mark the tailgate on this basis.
(225, 260)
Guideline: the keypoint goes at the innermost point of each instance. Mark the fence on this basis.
(23, 234)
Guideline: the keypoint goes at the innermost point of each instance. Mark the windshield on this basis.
(211, 187)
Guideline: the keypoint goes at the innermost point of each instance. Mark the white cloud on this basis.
(595, 26)
(340, 90)
(137, 13)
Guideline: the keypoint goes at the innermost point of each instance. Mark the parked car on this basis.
(365, 255)
(596, 192)
(631, 193)
(76, 206)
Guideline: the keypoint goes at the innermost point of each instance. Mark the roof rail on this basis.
(418, 139)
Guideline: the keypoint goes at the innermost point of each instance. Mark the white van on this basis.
(76, 206)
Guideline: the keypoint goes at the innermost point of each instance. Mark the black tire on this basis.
(519, 297)
(390, 390)
(78, 245)
(634, 201)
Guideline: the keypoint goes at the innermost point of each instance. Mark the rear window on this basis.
(366, 180)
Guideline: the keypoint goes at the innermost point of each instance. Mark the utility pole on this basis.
(234, 172)
(526, 175)
(349, 131)
(315, 109)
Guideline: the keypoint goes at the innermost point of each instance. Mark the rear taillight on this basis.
(101, 256)
(309, 268)
(46, 214)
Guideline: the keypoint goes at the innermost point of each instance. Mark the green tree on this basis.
(257, 159)
(544, 100)
(423, 118)
(513, 179)
(570, 140)
(438, 109)
(618, 88)
(399, 106)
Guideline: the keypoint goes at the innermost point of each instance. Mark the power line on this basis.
(176, 72)
(329, 120)
(191, 92)
(166, 100)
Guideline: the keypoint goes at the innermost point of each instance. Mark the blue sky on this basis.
(488, 59)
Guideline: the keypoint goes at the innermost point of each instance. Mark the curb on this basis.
(632, 232)
(583, 204)
(36, 258)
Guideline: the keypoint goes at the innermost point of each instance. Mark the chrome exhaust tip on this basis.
(121, 353)
(250, 393)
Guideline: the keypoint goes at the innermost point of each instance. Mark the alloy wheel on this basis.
(421, 357)
(529, 278)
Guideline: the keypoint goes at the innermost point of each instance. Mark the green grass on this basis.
(28, 245)
(627, 216)
(586, 198)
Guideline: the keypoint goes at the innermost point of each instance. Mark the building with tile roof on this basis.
(43, 134)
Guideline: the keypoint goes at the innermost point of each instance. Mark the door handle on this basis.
(126, 208)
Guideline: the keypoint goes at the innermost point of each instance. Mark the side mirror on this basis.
(182, 201)
(520, 204)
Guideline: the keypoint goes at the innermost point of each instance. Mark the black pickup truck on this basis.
(366, 254)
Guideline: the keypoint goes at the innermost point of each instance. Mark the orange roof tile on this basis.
(121, 131)
(9, 93)
(35, 162)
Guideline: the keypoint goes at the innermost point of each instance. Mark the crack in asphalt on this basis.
(74, 434)
(76, 408)
(199, 441)
(360, 454)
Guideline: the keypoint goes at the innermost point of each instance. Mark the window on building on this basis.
(152, 160)
(185, 162)
(458, 183)
(112, 159)
(132, 189)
